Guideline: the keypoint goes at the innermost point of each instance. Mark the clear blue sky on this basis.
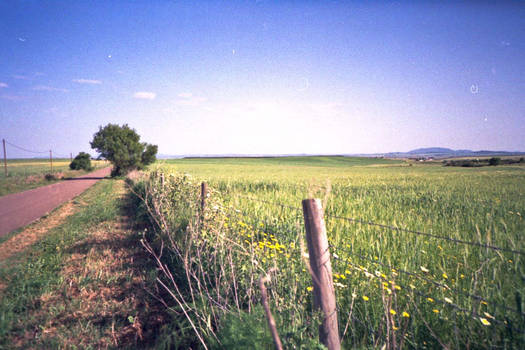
(267, 77)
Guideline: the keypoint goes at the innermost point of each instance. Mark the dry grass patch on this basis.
(102, 302)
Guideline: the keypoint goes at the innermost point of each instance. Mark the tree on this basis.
(150, 154)
(121, 146)
(81, 161)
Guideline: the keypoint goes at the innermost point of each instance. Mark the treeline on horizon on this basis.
(483, 162)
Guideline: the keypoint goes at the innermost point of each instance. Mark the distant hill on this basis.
(434, 152)
(431, 150)
(441, 152)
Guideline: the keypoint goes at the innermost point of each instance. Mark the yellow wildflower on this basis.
(392, 312)
(436, 311)
(484, 321)
(405, 314)
(488, 315)
(365, 298)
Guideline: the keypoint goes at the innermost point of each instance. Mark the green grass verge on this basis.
(37, 270)
(26, 174)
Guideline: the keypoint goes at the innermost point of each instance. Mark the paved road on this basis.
(20, 209)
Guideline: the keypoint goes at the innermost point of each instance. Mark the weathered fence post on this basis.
(5, 159)
(204, 193)
(268, 312)
(51, 160)
(161, 180)
(324, 294)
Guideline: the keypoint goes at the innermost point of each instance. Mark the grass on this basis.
(439, 305)
(83, 284)
(25, 174)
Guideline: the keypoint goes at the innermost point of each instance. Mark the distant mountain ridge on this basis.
(441, 152)
(434, 152)
(431, 150)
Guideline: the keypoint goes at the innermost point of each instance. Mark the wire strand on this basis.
(473, 296)
(444, 302)
(395, 228)
(268, 202)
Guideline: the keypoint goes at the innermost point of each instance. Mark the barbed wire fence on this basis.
(461, 304)
(515, 324)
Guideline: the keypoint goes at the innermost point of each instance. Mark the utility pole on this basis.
(51, 160)
(5, 158)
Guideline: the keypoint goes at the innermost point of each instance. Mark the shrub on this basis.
(81, 161)
(494, 161)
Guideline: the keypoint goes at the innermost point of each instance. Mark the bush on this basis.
(50, 177)
(81, 161)
(494, 161)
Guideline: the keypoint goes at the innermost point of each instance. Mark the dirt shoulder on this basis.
(21, 241)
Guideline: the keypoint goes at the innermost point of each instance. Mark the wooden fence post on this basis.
(204, 193)
(162, 180)
(51, 159)
(321, 268)
(5, 159)
(268, 312)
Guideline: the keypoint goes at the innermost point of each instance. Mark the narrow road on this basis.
(20, 209)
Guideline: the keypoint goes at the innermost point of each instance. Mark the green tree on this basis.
(81, 161)
(122, 147)
(150, 154)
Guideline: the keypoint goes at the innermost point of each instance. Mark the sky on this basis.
(263, 77)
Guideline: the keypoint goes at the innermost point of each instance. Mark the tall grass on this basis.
(393, 287)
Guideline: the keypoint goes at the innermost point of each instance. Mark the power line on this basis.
(25, 150)
(55, 155)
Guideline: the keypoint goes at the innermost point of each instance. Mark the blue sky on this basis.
(267, 77)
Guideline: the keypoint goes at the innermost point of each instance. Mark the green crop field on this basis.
(25, 174)
(447, 269)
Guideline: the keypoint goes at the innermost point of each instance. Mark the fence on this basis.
(323, 255)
